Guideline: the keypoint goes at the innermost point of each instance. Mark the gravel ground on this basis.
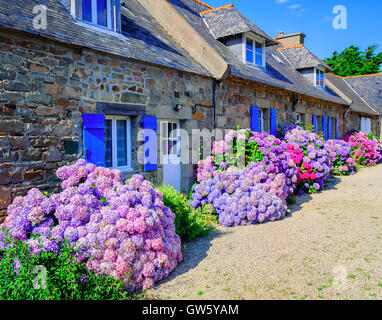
(328, 248)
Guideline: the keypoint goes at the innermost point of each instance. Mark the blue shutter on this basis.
(255, 119)
(116, 20)
(150, 143)
(325, 127)
(337, 133)
(314, 122)
(274, 122)
(329, 128)
(94, 138)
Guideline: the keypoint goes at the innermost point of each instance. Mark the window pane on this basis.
(259, 48)
(102, 13)
(259, 59)
(249, 44)
(249, 56)
(87, 10)
(108, 144)
(121, 143)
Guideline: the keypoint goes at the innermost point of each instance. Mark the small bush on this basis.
(189, 223)
(48, 276)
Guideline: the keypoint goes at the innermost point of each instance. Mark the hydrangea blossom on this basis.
(243, 197)
(311, 158)
(366, 150)
(341, 157)
(123, 230)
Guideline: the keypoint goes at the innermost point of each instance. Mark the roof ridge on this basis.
(292, 47)
(203, 4)
(217, 9)
(362, 75)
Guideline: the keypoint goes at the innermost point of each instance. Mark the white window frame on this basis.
(114, 142)
(365, 124)
(316, 72)
(299, 118)
(258, 39)
(94, 15)
(261, 120)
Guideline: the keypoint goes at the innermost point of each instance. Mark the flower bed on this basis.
(123, 230)
(243, 197)
(366, 150)
(247, 180)
(308, 152)
(341, 157)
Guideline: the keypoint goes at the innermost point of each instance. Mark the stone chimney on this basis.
(293, 39)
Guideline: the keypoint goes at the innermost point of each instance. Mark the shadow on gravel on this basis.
(331, 183)
(193, 253)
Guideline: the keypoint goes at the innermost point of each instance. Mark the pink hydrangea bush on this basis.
(311, 158)
(366, 151)
(121, 229)
(341, 158)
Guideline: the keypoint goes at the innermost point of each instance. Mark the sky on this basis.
(315, 19)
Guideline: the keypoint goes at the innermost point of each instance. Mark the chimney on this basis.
(293, 39)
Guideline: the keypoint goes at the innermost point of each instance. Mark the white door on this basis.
(171, 152)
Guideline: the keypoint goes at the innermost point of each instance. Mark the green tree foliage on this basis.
(354, 62)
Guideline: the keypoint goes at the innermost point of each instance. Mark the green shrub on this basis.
(189, 223)
(49, 276)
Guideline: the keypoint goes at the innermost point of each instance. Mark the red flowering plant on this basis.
(309, 154)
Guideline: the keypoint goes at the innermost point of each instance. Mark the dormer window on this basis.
(320, 78)
(254, 50)
(104, 15)
(97, 12)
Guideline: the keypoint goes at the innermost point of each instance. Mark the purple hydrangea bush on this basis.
(341, 158)
(122, 229)
(243, 197)
(247, 179)
(315, 166)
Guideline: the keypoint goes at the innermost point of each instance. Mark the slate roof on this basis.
(280, 75)
(228, 21)
(301, 58)
(369, 88)
(358, 104)
(143, 38)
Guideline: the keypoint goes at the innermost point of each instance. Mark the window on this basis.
(254, 52)
(365, 125)
(262, 118)
(117, 142)
(320, 78)
(170, 138)
(299, 119)
(97, 12)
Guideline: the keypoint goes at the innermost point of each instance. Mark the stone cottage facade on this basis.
(134, 72)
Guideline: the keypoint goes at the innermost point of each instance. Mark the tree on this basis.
(354, 62)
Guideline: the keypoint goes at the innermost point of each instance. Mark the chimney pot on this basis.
(281, 33)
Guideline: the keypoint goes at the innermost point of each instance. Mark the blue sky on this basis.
(314, 18)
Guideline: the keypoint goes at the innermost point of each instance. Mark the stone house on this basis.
(81, 78)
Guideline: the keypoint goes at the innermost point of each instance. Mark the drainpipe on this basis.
(214, 84)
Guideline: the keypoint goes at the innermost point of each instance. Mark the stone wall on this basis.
(45, 87)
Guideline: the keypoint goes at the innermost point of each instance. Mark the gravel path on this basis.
(328, 248)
